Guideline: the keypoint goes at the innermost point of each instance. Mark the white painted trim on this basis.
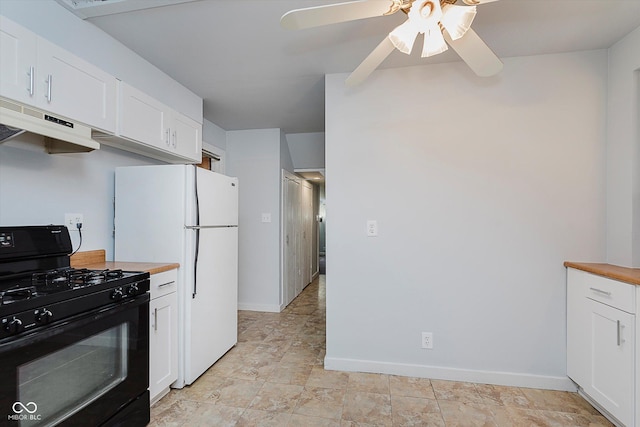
(451, 374)
(269, 308)
(216, 151)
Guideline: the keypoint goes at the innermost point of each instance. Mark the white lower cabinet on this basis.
(601, 342)
(163, 333)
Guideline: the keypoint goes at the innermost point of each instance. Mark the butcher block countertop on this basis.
(95, 260)
(623, 274)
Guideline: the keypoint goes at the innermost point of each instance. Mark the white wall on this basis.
(55, 23)
(307, 150)
(623, 153)
(482, 188)
(256, 158)
(38, 188)
(214, 135)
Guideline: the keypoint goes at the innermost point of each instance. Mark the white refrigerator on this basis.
(185, 214)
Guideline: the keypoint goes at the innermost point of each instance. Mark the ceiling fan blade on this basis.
(475, 2)
(478, 56)
(334, 13)
(370, 63)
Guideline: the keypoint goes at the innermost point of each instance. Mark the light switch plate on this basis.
(372, 228)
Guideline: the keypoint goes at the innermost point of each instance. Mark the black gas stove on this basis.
(38, 286)
(74, 343)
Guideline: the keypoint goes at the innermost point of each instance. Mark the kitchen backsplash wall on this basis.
(39, 188)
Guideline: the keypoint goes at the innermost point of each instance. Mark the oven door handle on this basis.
(69, 323)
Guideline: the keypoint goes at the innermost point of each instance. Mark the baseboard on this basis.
(451, 374)
(270, 308)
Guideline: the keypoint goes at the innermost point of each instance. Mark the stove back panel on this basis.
(32, 248)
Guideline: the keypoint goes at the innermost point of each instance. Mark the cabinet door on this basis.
(163, 343)
(186, 137)
(612, 334)
(74, 88)
(17, 62)
(143, 118)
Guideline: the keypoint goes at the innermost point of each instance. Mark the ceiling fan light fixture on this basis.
(457, 19)
(404, 36)
(433, 42)
(422, 18)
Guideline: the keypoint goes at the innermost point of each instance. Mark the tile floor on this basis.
(274, 377)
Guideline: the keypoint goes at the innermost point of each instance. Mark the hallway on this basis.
(275, 377)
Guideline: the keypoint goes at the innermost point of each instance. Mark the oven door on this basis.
(85, 370)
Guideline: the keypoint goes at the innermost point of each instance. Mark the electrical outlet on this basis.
(71, 219)
(427, 340)
(266, 217)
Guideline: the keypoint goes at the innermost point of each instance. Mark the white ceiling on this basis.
(253, 74)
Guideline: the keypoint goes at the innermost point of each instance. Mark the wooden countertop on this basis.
(95, 260)
(623, 274)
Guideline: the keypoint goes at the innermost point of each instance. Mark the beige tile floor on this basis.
(274, 377)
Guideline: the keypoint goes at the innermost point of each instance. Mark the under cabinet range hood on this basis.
(61, 135)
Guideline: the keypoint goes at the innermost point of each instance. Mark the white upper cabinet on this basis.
(142, 118)
(74, 88)
(186, 137)
(149, 127)
(41, 74)
(17, 62)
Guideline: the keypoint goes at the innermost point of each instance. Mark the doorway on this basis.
(299, 235)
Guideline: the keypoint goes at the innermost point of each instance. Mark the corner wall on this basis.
(623, 153)
(256, 158)
(482, 188)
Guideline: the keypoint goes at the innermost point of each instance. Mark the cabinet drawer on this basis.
(611, 292)
(163, 283)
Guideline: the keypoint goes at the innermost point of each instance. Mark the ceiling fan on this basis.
(441, 21)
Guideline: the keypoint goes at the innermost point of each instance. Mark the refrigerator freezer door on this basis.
(211, 318)
(217, 198)
(150, 213)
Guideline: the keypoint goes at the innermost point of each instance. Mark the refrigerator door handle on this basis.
(195, 264)
(197, 228)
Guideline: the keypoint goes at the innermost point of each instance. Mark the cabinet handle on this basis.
(168, 137)
(619, 339)
(31, 74)
(166, 284)
(155, 319)
(175, 139)
(600, 291)
(49, 84)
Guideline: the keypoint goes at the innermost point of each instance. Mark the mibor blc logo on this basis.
(24, 411)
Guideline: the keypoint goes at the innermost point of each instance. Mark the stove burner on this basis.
(58, 280)
(17, 294)
(72, 278)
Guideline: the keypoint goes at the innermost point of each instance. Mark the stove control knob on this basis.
(117, 294)
(43, 316)
(13, 326)
(133, 289)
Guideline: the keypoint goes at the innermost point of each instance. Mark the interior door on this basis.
(291, 189)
